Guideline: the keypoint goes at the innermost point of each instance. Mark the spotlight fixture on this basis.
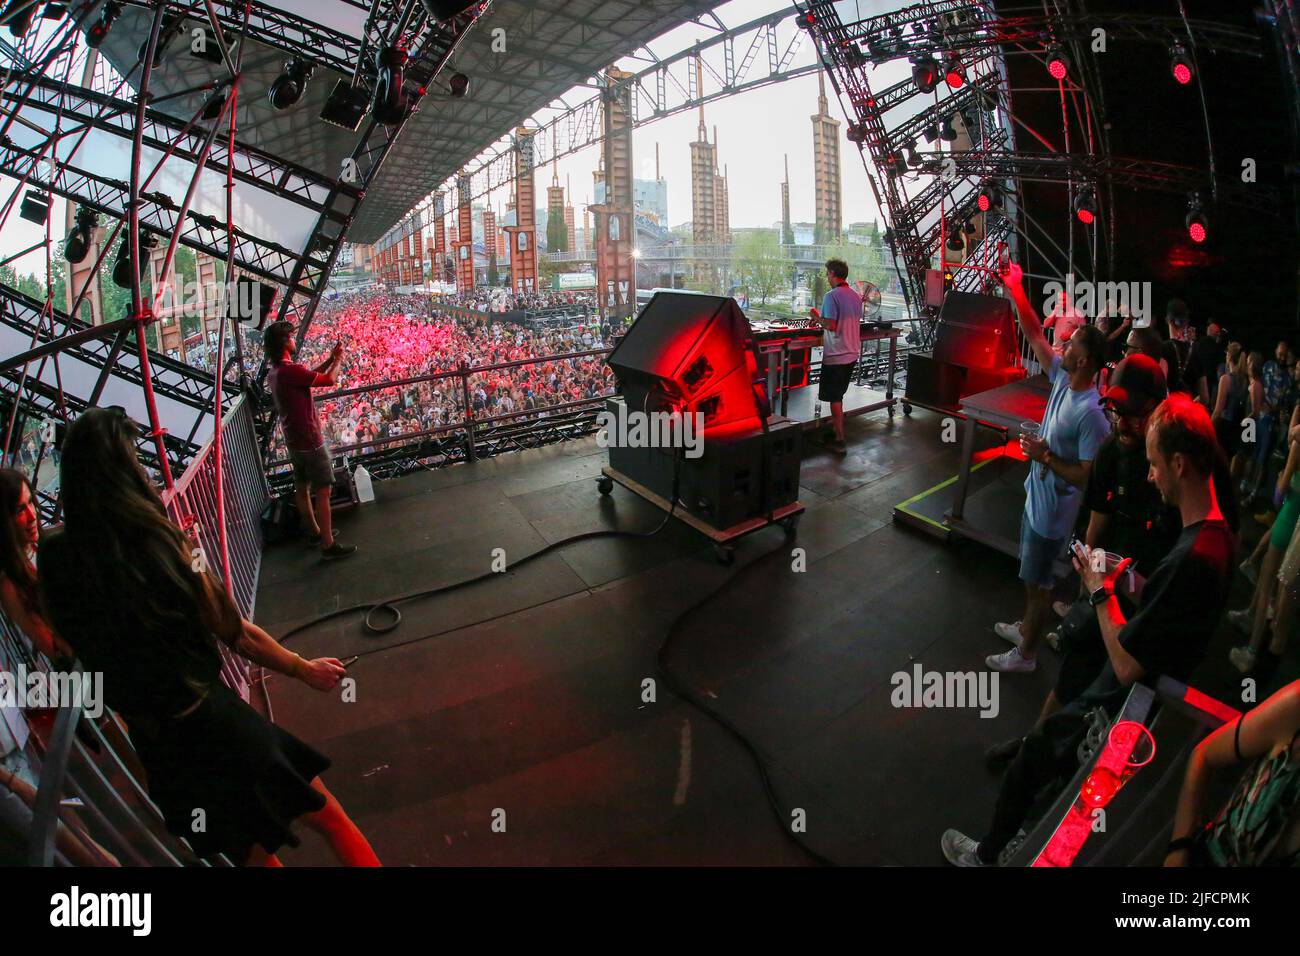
(913, 157)
(54, 11)
(171, 29)
(1198, 225)
(856, 132)
(98, 33)
(955, 242)
(931, 132)
(20, 20)
(79, 239)
(122, 265)
(287, 88)
(345, 106)
(213, 107)
(946, 132)
(806, 21)
(389, 104)
(925, 73)
(1085, 207)
(458, 84)
(968, 227)
(1180, 63)
(35, 207)
(990, 196)
(955, 75)
(1058, 63)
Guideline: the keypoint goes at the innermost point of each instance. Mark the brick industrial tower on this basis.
(704, 184)
(828, 188)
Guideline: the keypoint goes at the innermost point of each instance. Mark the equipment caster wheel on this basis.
(907, 408)
(604, 484)
(726, 555)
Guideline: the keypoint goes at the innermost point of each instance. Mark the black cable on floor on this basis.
(661, 656)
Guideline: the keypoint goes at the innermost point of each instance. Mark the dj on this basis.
(841, 317)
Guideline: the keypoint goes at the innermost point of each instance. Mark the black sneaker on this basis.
(838, 446)
(337, 550)
(999, 755)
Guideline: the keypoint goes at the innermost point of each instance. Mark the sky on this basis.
(756, 131)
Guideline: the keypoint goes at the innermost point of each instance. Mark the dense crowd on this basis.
(390, 337)
(501, 300)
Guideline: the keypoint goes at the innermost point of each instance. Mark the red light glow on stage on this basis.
(1057, 69)
(1182, 73)
(1086, 217)
(1196, 232)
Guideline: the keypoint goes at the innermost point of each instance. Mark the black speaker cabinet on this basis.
(725, 485)
(976, 331)
(941, 385)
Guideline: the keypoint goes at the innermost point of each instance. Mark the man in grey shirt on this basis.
(841, 317)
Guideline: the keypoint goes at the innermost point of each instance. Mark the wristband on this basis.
(1180, 844)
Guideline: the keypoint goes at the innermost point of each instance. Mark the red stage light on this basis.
(1086, 217)
(1058, 64)
(1182, 73)
(1197, 232)
(983, 202)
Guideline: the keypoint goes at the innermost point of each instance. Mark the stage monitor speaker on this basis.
(976, 331)
(691, 353)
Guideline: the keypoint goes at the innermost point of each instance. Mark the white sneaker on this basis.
(959, 849)
(1060, 608)
(1242, 620)
(1009, 632)
(1011, 662)
(1243, 658)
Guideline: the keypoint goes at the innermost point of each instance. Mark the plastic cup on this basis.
(1032, 430)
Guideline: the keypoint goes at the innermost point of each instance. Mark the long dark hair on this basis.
(136, 564)
(13, 545)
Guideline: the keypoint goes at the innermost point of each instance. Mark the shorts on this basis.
(834, 382)
(1263, 438)
(1284, 526)
(314, 468)
(1038, 556)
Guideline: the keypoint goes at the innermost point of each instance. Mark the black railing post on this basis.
(470, 452)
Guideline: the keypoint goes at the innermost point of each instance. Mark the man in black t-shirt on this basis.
(1178, 609)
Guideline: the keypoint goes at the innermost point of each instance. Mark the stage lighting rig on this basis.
(856, 132)
(947, 132)
(98, 33)
(458, 85)
(209, 49)
(122, 265)
(20, 14)
(1180, 63)
(925, 73)
(345, 106)
(288, 88)
(955, 74)
(1085, 207)
(990, 197)
(446, 9)
(213, 107)
(955, 242)
(172, 27)
(390, 101)
(1198, 224)
(79, 240)
(1058, 62)
(35, 207)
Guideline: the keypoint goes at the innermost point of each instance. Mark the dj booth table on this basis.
(1004, 408)
(786, 353)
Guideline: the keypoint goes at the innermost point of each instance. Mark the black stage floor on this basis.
(524, 693)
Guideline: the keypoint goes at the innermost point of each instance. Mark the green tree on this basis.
(492, 276)
(557, 234)
(758, 259)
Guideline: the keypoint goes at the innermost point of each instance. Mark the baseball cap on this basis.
(1136, 386)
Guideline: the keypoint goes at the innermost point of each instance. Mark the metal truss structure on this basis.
(992, 145)
(71, 115)
(734, 60)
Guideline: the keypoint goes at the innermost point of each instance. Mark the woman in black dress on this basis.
(120, 587)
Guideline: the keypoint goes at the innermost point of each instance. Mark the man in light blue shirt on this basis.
(1074, 429)
(841, 317)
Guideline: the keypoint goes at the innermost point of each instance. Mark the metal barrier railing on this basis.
(90, 806)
